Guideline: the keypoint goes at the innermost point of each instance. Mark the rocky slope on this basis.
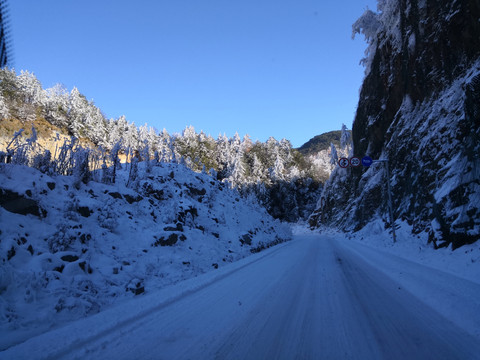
(70, 249)
(418, 108)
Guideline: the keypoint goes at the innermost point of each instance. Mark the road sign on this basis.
(367, 161)
(343, 163)
(355, 161)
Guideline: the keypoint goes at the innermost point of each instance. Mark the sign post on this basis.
(389, 196)
(368, 161)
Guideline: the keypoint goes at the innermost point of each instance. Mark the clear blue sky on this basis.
(281, 68)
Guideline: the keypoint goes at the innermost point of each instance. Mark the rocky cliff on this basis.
(419, 108)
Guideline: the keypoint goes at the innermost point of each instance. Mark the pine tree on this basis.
(276, 172)
(333, 154)
(114, 132)
(237, 174)
(146, 157)
(30, 88)
(130, 138)
(81, 172)
(31, 96)
(57, 105)
(257, 170)
(115, 160)
(133, 174)
(223, 155)
(346, 140)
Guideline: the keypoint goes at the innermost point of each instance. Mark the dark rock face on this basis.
(439, 42)
(246, 239)
(69, 258)
(115, 195)
(84, 211)
(196, 192)
(18, 204)
(169, 241)
(132, 199)
(418, 108)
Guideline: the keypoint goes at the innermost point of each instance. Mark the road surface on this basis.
(312, 298)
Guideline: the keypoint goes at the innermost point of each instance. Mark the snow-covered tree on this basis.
(57, 105)
(346, 140)
(278, 169)
(4, 112)
(371, 24)
(114, 133)
(96, 126)
(333, 154)
(78, 107)
(143, 133)
(256, 174)
(223, 150)
(31, 88)
(130, 137)
(133, 174)
(30, 95)
(81, 172)
(237, 174)
(271, 148)
(235, 146)
(110, 172)
(247, 143)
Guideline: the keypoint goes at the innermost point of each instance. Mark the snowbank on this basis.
(67, 253)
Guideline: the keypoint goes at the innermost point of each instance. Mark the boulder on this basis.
(18, 204)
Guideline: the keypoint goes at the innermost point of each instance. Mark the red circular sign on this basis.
(355, 161)
(343, 162)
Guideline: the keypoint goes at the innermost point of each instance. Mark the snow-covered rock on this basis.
(419, 109)
(66, 253)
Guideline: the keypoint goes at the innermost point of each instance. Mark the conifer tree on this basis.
(346, 140)
(81, 172)
(4, 112)
(57, 105)
(333, 154)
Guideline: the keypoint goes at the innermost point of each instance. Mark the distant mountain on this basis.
(320, 142)
(317, 151)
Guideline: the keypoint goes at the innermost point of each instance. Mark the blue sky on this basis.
(282, 68)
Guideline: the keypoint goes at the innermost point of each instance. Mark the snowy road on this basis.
(312, 298)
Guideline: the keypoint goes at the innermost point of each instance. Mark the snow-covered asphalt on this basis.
(312, 298)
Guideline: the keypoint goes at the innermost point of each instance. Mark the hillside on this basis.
(272, 170)
(418, 109)
(71, 249)
(320, 142)
(318, 151)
